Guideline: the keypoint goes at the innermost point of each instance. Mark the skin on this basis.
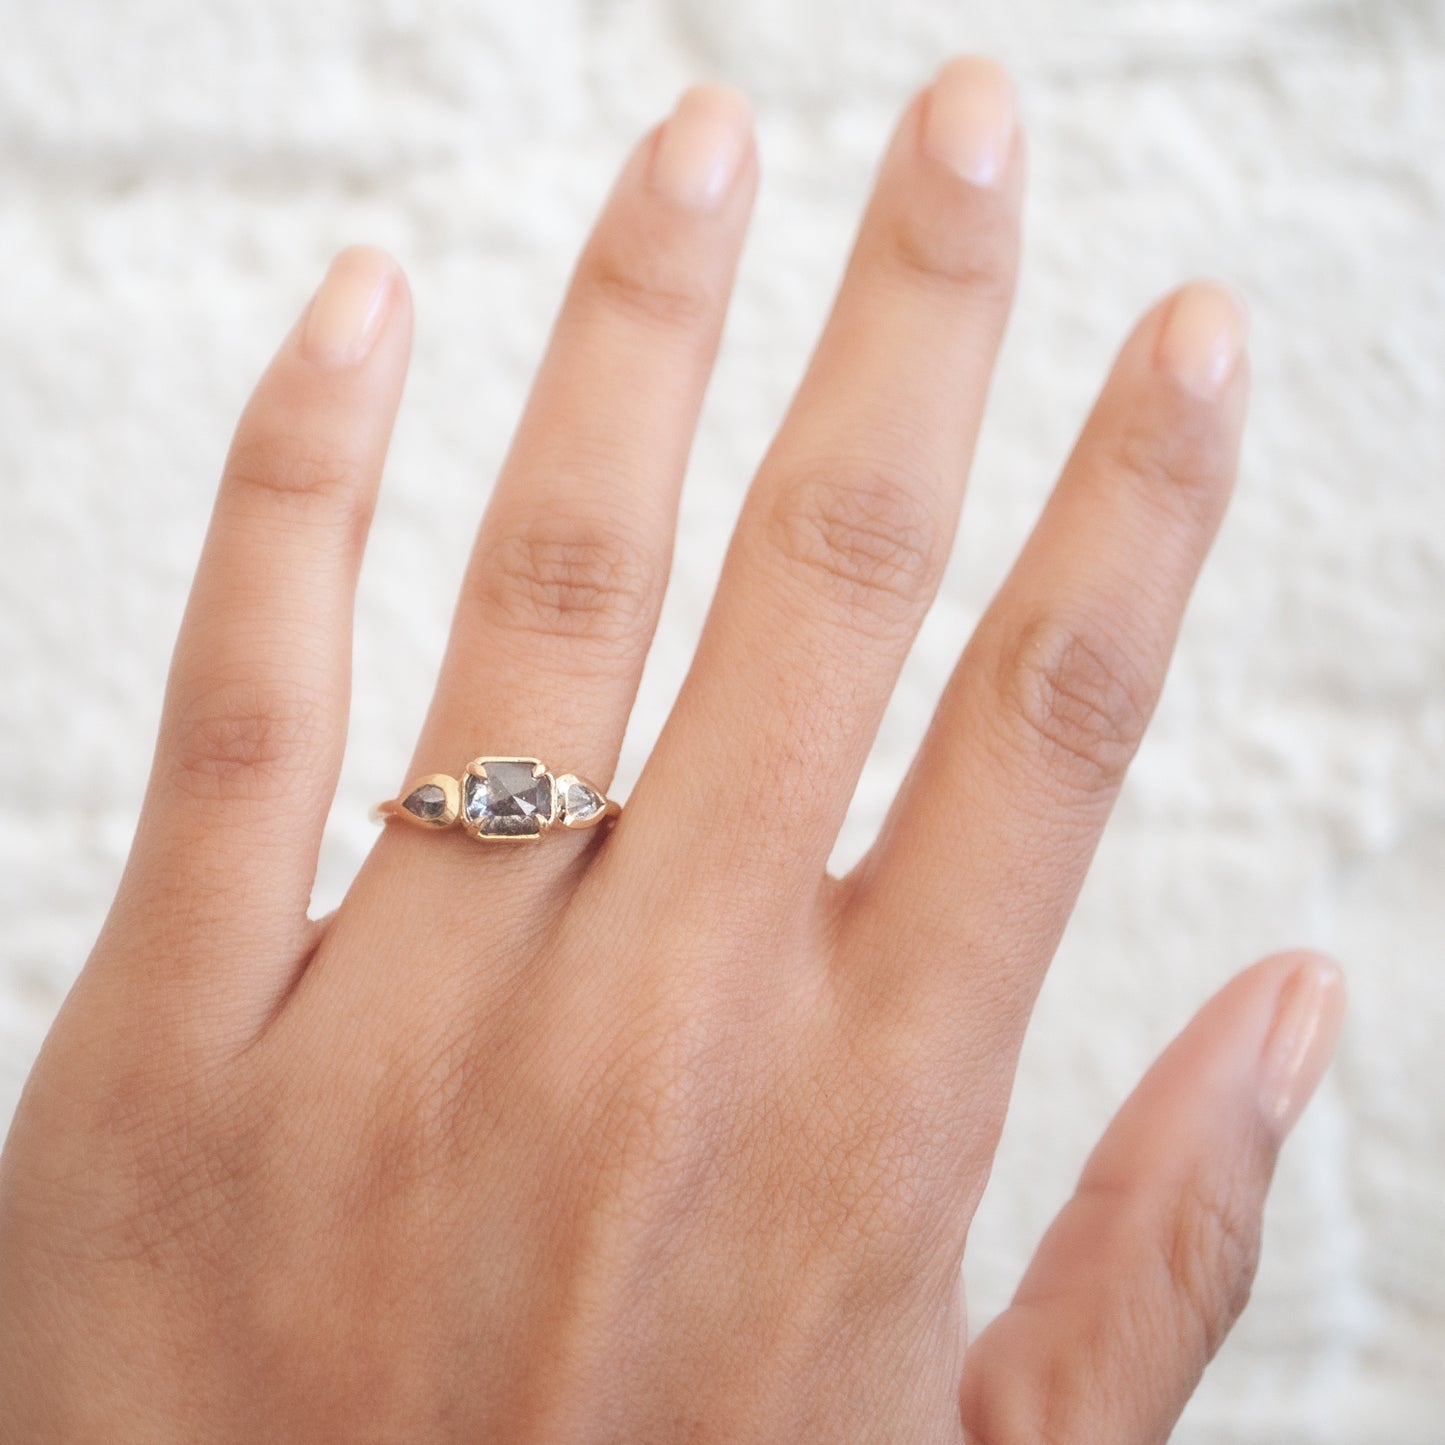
(683, 1142)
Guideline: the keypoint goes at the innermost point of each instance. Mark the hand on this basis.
(655, 1133)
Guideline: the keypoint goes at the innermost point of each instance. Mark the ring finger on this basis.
(561, 593)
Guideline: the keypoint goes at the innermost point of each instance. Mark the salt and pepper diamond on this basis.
(432, 801)
(428, 802)
(508, 798)
(581, 803)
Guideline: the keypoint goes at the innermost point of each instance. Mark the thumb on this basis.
(1148, 1266)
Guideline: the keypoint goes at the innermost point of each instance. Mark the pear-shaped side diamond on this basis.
(427, 802)
(581, 802)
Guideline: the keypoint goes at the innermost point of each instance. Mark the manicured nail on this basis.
(1301, 1040)
(700, 150)
(345, 314)
(1203, 337)
(969, 119)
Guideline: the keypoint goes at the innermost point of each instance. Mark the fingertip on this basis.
(1309, 1010)
(702, 148)
(346, 315)
(1203, 337)
(970, 119)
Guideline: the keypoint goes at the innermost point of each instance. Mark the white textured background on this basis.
(174, 177)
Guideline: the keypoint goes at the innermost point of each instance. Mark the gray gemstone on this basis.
(581, 802)
(509, 802)
(427, 801)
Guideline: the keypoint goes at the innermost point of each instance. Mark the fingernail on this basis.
(700, 150)
(1301, 1040)
(969, 119)
(345, 314)
(1203, 337)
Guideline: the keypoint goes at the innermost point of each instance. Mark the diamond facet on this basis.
(509, 802)
(427, 802)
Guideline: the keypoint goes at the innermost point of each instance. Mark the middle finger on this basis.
(845, 532)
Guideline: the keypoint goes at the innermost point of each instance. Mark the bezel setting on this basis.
(566, 783)
(422, 814)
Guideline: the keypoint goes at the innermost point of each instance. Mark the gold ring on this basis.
(508, 800)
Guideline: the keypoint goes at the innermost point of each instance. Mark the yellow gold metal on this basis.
(450, 810)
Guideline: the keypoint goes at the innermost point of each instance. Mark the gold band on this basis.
(509, 800)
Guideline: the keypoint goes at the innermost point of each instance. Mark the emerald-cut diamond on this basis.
(508, 798)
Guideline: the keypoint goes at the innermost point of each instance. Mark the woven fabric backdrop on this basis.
(174, 178)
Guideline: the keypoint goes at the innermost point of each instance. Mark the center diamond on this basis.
(510, 801)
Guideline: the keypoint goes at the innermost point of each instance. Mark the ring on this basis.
(501, 800)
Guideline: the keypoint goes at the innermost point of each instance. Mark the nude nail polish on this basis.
(700, 149)
(1307, 1019)
(345, 315)
(969, 119)
(1203, 338)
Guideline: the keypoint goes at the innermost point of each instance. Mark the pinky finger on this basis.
(1149, 1265)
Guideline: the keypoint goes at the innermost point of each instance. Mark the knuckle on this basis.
(633, 1111)
(174, 1153)
(1211, 1252)
(296, 469)
(1039, 1407)
(979, 259)
(430, 1121)
(570, 576)
(247, 740)
(644, 1125)
(891, 1187)
(878, 1142)
(1078, 698)
(643, 278)
(1175, 464)
(864, 538)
